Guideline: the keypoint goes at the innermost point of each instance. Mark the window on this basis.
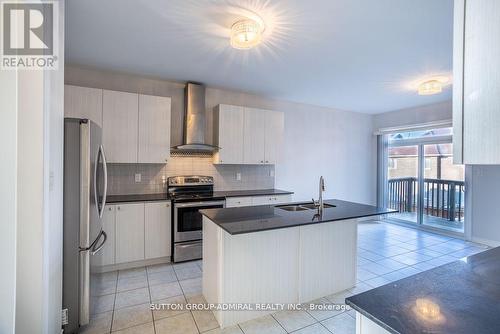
(393, 163)
(428, 163)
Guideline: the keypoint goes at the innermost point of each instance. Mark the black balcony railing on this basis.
(442, 198)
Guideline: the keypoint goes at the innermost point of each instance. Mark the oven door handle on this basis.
(195, 204)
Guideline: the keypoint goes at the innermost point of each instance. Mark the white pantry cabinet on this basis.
(154, 129)
(157, 229)
(476, 86)
(83, 102)
(119, 122)
(228, 134)
(129, 232)
(247, 135)
(108, 225)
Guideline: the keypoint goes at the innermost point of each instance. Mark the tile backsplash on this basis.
(122, 176)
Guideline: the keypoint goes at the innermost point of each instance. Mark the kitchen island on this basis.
(461, 297)
(278, 255)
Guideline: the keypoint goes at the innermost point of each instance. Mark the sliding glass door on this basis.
(422, 182)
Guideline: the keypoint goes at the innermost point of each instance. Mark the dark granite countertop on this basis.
(256, 192)
(266, 217)
(137, 198)
(217, 194)
(459, 297)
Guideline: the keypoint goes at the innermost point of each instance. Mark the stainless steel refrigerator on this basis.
(85, 188)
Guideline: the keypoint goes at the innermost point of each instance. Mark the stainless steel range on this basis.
(189, 195)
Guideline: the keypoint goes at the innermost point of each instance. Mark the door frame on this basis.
(383, 177)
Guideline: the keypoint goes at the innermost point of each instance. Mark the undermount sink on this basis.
(302, 206)
(312, 206)
(292, 208)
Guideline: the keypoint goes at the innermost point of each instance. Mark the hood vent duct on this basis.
(194, 121)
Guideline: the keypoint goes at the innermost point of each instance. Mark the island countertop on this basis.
(462, 296)
(251, 219)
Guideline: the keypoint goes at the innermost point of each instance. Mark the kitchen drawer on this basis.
(232, 202)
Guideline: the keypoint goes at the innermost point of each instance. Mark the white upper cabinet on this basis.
(247, 135)
(275, 132)
(476, 88)
(119, 122)
(154, 129)
(83, 102)
(228, 134)
(254, 136)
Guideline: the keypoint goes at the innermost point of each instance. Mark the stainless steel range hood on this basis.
(194, 121)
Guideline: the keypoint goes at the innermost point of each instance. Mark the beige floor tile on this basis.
(161, 277)
(227, 330)
(321, 309)
(263, 325)
(317, 328)
(191, 287)
(141, 329)
(131, 316)
(160, 268)
(131, 283)
(342, 323)
(205, 320)
(127, 273)
(132, 297)
(166, 312)
(166, 290)
(101, 287)
(180, 324)
(294, 320)
(111, 275)
(188, 272)
(102, 304)
(99, 324)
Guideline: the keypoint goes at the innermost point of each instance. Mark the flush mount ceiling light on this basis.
(247, 33)
(432, 86)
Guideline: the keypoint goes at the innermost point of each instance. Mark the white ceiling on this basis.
(359, 55)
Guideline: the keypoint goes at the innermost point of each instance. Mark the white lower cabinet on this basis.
(232, 202)
(271, 200)
(108, 225)
(129, 232)
(157, 229)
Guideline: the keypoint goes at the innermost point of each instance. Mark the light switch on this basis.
(238, 176)
(137, 177)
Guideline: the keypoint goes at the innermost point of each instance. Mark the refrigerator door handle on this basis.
(95, 248)
(100, 207)
(105, 192)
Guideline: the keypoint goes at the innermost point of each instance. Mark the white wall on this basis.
(418, 115)
(8, 199)
(485, 212)
(318, 141)
(33, 163)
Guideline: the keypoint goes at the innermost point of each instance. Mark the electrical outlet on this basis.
(238, 176)
(138, 177)
(163, 179)
(271, 172)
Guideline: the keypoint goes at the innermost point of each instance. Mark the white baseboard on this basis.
(131, 265)
(487, 242)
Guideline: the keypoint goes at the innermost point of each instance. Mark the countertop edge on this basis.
(372, 318)
(220, 193)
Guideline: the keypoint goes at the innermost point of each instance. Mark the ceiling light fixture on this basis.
(430, 87)
(247, 33)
